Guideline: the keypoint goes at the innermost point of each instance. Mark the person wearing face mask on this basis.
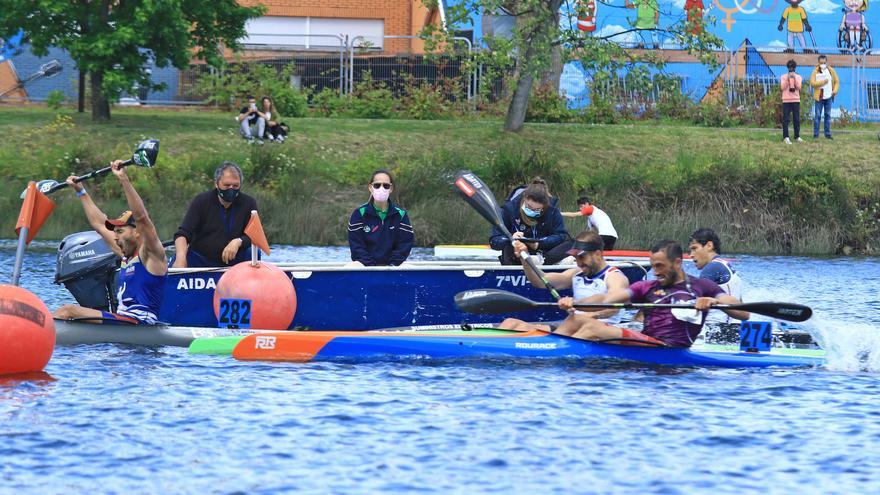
(791, 83)
(212, 231)
(532, 215)
(380, 232)
(825, 86)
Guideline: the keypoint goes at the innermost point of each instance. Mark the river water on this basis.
(116, 419)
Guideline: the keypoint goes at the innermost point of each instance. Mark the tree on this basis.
(115, 40)
(540, 42)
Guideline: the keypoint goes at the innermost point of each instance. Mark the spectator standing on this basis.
(825, 86)
(791, 84)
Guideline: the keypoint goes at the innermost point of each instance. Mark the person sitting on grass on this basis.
(252, 121)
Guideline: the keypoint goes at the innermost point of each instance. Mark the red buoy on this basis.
(27, 331)
(259, 297)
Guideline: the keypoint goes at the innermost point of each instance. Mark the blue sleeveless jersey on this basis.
(139, 292)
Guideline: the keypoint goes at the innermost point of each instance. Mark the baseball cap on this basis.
(126, 219)
(582, 247)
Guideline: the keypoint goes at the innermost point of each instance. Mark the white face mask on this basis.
(823, 66)
(381, 195)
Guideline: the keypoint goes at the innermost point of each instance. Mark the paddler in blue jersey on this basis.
(705, 246)
(675, 327)
(592, 277)
(133, 237)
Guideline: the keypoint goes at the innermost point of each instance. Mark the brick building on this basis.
(324, 24)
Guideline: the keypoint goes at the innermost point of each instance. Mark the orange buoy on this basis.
(27, 331)
(260, 297)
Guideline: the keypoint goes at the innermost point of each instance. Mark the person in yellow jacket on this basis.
(825, 85)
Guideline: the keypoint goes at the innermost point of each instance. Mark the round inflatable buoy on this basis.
(27, 331)
(259, 297)
(586, 210)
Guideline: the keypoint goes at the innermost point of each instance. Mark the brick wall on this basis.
(401, 17)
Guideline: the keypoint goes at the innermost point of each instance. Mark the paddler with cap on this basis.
(674, 327)
(593, 276)
(133, 237)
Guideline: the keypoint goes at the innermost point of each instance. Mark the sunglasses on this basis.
(377, 185)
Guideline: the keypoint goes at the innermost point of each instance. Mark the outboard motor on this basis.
(87, 267)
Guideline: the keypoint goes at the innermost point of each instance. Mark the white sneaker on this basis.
(280, 139)
(271, 138)
(786, 141)
(799, 140)
(260, 142)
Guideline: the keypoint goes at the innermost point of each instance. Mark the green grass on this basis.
(657, 180)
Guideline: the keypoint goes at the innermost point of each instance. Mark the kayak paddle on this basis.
(144, 156)
(495, 301)
(477, 194)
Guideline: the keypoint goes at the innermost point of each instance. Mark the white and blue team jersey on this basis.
(139, 292)
(583, 287)
(722, 273)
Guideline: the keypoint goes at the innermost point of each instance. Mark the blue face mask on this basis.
(530, 212)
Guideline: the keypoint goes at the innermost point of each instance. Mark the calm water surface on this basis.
(115, 419)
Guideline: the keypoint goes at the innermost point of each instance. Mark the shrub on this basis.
(328, 103)
(371, 100)
(225, 88)
(55, 99)
(547, 105)
(424, 102)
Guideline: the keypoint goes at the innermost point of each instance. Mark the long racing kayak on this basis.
(69, 332)
(481, 344)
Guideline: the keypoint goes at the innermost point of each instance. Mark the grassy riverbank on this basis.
(655, 180)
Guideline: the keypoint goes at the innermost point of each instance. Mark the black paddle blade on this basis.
(146, 153)
(780, 311)
(492, 301)
(480, 197)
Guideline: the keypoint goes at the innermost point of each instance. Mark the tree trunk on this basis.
(516, 112)
(81, 96)
(553, 74)
(100, 104)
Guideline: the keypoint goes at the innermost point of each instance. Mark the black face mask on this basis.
(227, 195)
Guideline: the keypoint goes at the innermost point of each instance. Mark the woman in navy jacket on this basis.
(379, 232)
(531, 214)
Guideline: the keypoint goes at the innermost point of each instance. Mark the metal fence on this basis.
(340, 64)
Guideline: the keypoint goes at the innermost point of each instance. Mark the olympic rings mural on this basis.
(743, 7)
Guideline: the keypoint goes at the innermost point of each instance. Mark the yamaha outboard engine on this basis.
(87, 267)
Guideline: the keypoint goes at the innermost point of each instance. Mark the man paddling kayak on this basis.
(705, 246)
(133, 237)
(676, 327)
(592, 277)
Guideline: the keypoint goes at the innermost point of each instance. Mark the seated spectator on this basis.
(274, 131)
(212, 232)
(532, 215)
(252, 121)
(379, 232)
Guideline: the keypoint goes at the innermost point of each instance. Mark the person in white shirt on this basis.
(597, 220)
(825, 84)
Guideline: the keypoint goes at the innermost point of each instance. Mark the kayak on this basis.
(69, 333)
(298, 346)
(484, 252)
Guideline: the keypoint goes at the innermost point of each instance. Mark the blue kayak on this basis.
(304, 346)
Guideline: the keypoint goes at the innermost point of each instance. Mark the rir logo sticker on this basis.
(267, 342)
